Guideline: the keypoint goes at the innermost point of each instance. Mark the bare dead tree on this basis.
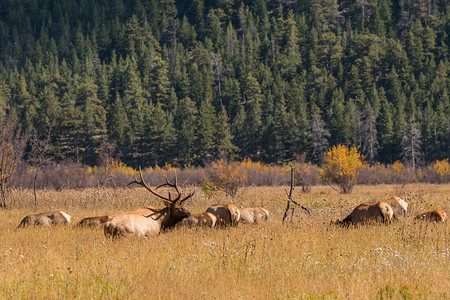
(291, 199)
(369, 134)
(12, 147)
(40, 149)
(411, 145)
(318, 137)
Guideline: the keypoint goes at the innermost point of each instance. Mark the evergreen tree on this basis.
(339, 120)
(185, 122)
(168, 142)
(277, 142)
(118, 125)
(385, 132)
(155, 123)
(222, 138)
(205, 131)
(253, 126)
(133, 103)
(5, 99)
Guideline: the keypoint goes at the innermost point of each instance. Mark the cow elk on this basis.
(94, 221)
(46, 219)
(398, 205)
(149, 220)
(226, 214)
(366, 212)
(204, 219)
(253, 215)
(437, 215)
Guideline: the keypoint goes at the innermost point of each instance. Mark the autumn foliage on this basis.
(227, 176)
(341, 166)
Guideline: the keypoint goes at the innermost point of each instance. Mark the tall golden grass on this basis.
(304, 259)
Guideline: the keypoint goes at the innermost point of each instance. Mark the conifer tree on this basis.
(238, 129)
(185, 123)
(118, 125)
(339, 119)
(253, 122)
(222, 138)
(205, 131)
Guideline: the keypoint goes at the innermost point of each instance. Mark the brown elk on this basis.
(365, 212)
(226, 214)
(46, 219)
(398, 205)
(437, 215)
(204, 219)
(149, 220)
(254, 215)
(94, 221)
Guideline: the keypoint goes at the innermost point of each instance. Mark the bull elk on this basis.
(46, 219)
(94, 221)
(149, 220)
(254, 215)
(365, 212)
(437, 215)
(204, 219)
(226, 214)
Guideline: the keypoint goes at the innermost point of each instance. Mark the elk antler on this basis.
(167, 183)
(188, 196)
(145, 185)
(175, 186)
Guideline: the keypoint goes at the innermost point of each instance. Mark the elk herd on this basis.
(150, 220)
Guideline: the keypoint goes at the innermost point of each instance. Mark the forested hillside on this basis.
(188, 82)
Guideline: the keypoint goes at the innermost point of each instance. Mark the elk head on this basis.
(174, 212)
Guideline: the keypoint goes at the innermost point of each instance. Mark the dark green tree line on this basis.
(188, 82)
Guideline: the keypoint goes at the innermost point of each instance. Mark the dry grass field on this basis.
(304, 259)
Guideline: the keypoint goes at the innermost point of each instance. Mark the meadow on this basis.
(306, 258)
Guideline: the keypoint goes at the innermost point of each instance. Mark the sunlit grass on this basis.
(306, 258)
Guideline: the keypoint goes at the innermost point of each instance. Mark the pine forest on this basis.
(188, 83)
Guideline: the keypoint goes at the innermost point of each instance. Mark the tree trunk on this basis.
(34, 186)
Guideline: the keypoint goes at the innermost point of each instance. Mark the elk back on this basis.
(94, 221)
(399, 206)
(46, 219)
(204, 219)
(366, 212)
(145, 221)
(437, 215)
(226, 214)
(254, 215)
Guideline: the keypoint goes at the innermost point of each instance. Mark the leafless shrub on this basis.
(377, 174)
(306, 173)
